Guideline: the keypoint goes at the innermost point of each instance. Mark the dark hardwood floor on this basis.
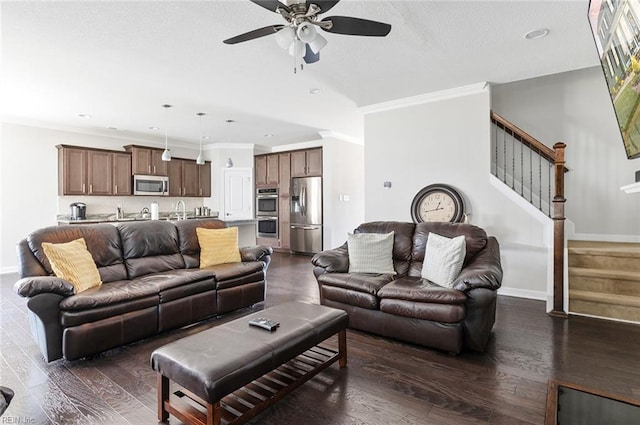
(386, 382)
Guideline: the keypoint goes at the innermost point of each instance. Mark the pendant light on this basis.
(166, 155)
(229, 162)
(200, 159)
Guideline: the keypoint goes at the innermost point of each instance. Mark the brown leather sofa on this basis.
(151, 283)
(407, 307)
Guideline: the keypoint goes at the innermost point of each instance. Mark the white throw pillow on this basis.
(443, 259)
(371, 253)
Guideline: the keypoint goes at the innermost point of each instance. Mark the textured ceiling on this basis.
(120, 61)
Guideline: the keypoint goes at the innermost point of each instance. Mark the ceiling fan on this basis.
(299, 35)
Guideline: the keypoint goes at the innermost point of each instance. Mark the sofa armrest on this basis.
(31, 286)
(484, 270)
(333, 260)
(255, 253)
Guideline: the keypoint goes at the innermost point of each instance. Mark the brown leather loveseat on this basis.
(151, 282)
(407, 307)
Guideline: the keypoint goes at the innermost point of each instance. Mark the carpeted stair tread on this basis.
(604, 273)
(614, 249)
(600, 297)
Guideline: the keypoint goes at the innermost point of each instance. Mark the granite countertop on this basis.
(111, 218)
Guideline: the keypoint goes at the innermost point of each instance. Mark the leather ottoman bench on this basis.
(259, 367)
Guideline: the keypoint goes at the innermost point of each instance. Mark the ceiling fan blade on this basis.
(271, 5)
(356, 26)
(324, 5)
(310, 57)
(260, 32)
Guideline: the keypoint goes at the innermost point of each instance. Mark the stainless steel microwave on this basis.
(150, 185)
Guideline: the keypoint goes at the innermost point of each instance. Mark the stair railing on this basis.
(535, 172)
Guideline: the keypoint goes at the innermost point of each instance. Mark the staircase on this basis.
(604, 279)
(536, 173)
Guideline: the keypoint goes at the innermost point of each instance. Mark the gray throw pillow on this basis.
(443, 259)
(371, 253)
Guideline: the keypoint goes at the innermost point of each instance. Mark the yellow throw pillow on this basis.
(73, 262)
(218, 246)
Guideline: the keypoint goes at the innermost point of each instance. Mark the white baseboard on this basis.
(523, 293)
(7, 270)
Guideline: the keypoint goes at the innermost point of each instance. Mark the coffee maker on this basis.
(78, 211)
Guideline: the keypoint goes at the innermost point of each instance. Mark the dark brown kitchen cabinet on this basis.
(261, 170)
(72, 171)
(88, 171)
(186, 178)
(306, 163)
(204, 172)
(267, 170)
(99, 172)
(174, 171)
(284, 199)
(121, 173)
(190, 178)
(147, 161)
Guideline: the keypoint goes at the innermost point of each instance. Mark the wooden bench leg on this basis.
(163, 395)
(342, 348)
(213, 413)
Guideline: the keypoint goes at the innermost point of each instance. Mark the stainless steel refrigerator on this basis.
(306, 215)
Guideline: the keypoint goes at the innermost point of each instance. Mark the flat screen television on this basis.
(616, 31)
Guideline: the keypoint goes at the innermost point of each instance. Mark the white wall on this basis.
(447, 140)
(29, 181)
(574, 107)
(343, 186)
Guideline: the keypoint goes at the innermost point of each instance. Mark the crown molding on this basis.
(326, 134)
(296, 146)
(425, 98)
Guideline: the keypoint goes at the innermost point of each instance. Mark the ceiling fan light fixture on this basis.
(317, 43)
(306, 32)
(285, 37)
(297, 48)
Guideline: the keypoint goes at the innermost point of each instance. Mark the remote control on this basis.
(263, 323)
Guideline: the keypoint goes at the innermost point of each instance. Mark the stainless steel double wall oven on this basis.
(267, 212)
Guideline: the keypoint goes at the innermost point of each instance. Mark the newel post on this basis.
(558, 232)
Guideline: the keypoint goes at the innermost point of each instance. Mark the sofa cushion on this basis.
(173, 278)
(109, 294)
(70, 318)
(102, 240)
(443, 259)
(361, 282)
(189, 246)
(402, 240)
(426, 311)
(349, 297)
(475, 241)
(218, 246)
(73, 262)
(371, 253)
(150, 247)
(421, 290)
(229, 275)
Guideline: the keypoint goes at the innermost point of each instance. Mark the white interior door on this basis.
(238, 194)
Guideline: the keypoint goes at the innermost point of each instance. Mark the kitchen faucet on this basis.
(184, 210)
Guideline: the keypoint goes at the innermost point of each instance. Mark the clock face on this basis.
(437, 202)
(437, 206)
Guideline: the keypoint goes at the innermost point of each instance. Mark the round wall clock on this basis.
(437, 202)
